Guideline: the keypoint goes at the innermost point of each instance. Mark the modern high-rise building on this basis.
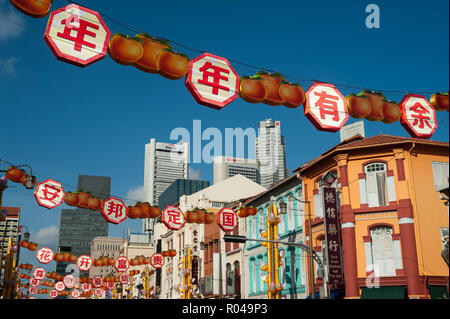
(225, 167)
(79, 226)
(164, 163)
(271, 153)
(179, 188)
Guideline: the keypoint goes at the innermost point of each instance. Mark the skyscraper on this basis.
(164, 163)
(79, 226)
(225, 167)
(271, 152)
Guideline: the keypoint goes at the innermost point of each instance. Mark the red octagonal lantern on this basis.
(227, 219)
(77, 35)
(326, 107)
(49, 194)
(212, 81)
(114, 210)
(418, 116)
(173, 217)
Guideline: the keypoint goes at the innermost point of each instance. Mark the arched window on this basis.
(376, 184)
(382, 251)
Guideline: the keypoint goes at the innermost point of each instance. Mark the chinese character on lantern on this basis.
(227, 219)
(121, 264)
(75, 293)
(39, 273)
(53, 293)
(77, 35)
(34, 282)
(85, 286)
(97, 281)
(157, 260)
(124, 278)
(69, 281)
(84, 262)
(98, 292)
(114, 210)
(32, 290)
(326, 107)
(59, 286)
(418, 116)
(49, 194)
(212, 81)
(44, 255)
(173, 217)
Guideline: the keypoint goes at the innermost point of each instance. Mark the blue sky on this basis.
(64, 120)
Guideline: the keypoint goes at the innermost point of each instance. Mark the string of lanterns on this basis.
(323, 104)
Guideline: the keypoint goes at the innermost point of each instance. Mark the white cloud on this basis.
(135, 195)
(47, 236)
(9, 66)
(12, 22)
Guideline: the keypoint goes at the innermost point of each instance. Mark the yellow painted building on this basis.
(392, 218)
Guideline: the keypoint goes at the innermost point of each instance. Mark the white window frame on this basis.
(376, 173)
(386, 260)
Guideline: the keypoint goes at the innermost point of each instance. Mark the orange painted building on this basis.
(392, 219)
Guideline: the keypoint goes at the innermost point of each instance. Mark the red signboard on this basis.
(227, 219)
(418, 116)
(77, 35)
(173, 217)
(212, 81)
(49, 194)
(332, 237)
(114, 210)
(326, 107)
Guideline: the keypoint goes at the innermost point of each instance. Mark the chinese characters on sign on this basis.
(173, 217)
(53, 293)
(44, 255)
(59, 286)
(326, 107)
(114, 210)
(85, 286)
(77, 35)
(124, 278)
(69, 281)
(157, 260)
(332, 237)
(227, 219)
(84, 263)
(97, 281)
(49, 194)
(212, 81)
(121, 264)
(418, 116)
(39, 273)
